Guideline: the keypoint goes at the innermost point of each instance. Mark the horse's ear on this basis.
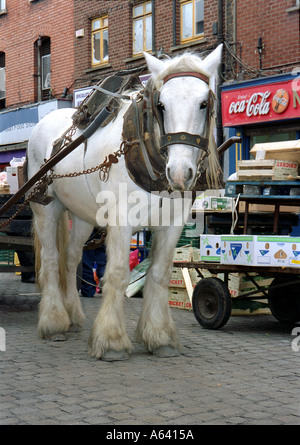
(155, 65)
(212, 61)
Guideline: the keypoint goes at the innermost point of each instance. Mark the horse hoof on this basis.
(113, 356)
(165, 351)
(57, 337)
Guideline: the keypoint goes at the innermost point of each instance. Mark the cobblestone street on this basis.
(246, 373)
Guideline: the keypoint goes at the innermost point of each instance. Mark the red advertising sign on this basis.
(261, 103)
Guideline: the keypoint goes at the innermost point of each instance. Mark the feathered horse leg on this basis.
(109, 340)
(156, 329)
(54, 320)
(80, 232)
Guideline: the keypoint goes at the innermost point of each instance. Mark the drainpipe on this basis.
(220, 38)
(39, 70)
(174, 23)
(153, 27)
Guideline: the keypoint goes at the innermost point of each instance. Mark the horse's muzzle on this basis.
(180, 176)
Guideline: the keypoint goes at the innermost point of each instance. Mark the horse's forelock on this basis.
(182, 63)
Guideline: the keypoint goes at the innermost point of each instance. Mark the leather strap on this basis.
(189, 74)
(184, 138)
(140, 136)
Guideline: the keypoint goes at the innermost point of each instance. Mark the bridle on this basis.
(141, 144)
(181, 137)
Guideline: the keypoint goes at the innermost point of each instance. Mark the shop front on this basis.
(16, 126)
(261, 110)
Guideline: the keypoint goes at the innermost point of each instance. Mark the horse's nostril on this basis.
(190, 174)
(168, 172)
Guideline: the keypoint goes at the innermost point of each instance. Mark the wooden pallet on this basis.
(267, 169)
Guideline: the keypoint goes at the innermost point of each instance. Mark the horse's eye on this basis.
(161, 106)
(203, 105)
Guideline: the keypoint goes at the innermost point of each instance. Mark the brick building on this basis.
(36, 44)
(52, 52)
(261, 88)
(36, 65)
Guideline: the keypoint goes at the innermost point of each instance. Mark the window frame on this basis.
(2, 5)
(144, 15)
(3, 79)
(102, 28)
(194, 36)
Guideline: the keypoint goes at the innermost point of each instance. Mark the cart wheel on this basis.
(211, 303)
(284, 302)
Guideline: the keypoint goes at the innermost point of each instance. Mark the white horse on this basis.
(183, 100)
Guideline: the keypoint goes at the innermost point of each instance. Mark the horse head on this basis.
(184, 102)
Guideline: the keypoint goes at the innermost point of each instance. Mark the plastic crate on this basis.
(7, 257)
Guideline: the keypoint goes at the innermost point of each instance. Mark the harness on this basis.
(146, 142)
(144, 149)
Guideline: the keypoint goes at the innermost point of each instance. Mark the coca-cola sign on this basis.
(260, 103)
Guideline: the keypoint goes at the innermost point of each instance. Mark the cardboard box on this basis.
(220, 203)
(210, 248)
(237, 249)
(196, 254)
(212, 203)
(212, 200)
(177, 279)
(281, 251)
(182, 254)
(273, 169)
(284, 150)
(239, 284)
(15, 178)
(178, 298)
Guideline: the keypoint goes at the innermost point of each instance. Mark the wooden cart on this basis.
(211, 299)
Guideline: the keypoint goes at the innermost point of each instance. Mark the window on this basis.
(192, 19)
(99, 41)
(2, 80)
(2, 5)
(142, 28)
(43, 68)
(46, 68)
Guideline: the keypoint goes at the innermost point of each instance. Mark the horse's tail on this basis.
(62, 235)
